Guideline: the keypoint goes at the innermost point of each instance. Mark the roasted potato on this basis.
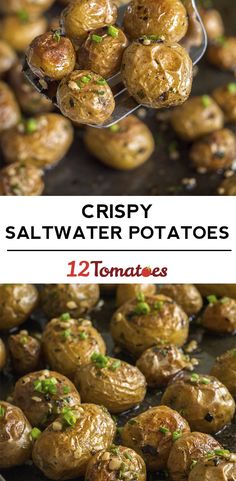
(197, 117)
(222, 53)
(69, 343)
(41, 141)
(31, 8)
(228, 186)
(76, 299)
(15, 439)
(25, 352)
(20, 179)
(215, 151)
(225, 370)
(185, 453)
(152, 434)
(220, 315)
(9, 109)
(125, 292)
(186, 295)
(156, 73)
(3, 355)
(167, 19)
(18, 31)
(138, 325)
(203, 400)
(7, 57)
(116, 463)
(213, 23)
(17, 301)
(220, 465)
(107, 381)
(85, 97)
(225, 97)
(123, 146)
(64, 449)
(42, 396)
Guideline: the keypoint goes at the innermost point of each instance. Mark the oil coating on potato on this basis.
(123, 146)
(186, 295)
(165, 18)
(221, 465)
(116, 463)
(25, 352)
(220, 315)
(156, 73)
(64, 449)
(215, 151)
(3, 354)
(20, 179)
(15, 440)
(197, 117)
(228, 186)
(18, 31)
(152, 434)
(33, 8)
(9, 110)
(203, 400)
(76, 299)
(41, 141)
(225, 97)
(186, 451)
(51, 55)
(112, 383)
(138, 325)
(213, 23)
(225, 370)
(125, 292)
(7, 57)
(102, 51)
(222, 53)
(42, 396)
(85, 97)
(17, 301)
(69, 343)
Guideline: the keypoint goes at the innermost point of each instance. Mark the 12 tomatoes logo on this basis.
(86, 268)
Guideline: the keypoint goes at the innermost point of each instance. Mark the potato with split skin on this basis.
(220, 465)
(213, 23)
(224, 369)
(18, 31)
(222, 53)
(186, 295)
(17, 302)
(64, 449)
(3, 355)
(76, 299)
(215, 151)
(228, 186)
(7, 57)
(125, 292)
(70, 343)
(225, 96)
(220, 315)
(25, 351)
(20, 179)
(9, 109)
(31, 8)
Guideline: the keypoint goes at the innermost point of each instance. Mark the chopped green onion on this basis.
(2, 411)
(57, 36)
(114, 128)
(212, 299)
(31, 126)
(83, 335)
(142, 308)
(224, 300)
(232, 88)
(86, 79)
(158, 305)
(128, 456)
(194, 377)
(113, 31)
(65, 316)
(114, 450)
(140, 297)
(115, 365)
(176, 435)
(164, 430)
(101, 81)
(46, 385)
(96, 38)
(101, 92)
(69, 416)
(35, 433)
(205, 380)
(100, 360)
(66, 390)
(66, 334)
(206, 101)
(24, 340)
(193, 463)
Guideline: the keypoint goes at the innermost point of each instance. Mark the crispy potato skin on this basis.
(223, 54)
(33, 9)
(44, 412)
(65, 454)
(226, 99)
(186, 295)
(190, 447)
(44, 147)
(157, 75)
(9, 110)
(105, 466)
(215, 151)
(125, 292)
(66, 354)
(228, 186)
(17, 303)
(7, 57)
(207, 407)
(88, 103)
(220, 317)
(3, 354)
(213, 23)
(144, 435)
(193, 119)
(138, 332)
(117, 389)
(224, 369)
(126, 148)
(19, 34)
(20, 179)
(76, 299)
(165, 18)
(25, 352)
(15, 442)
(217, 468)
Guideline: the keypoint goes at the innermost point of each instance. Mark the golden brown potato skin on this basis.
(165, 18)
(43, 146)
(18, 33)
(143, 434)
(158, 74)
(20, 179)
(186, 295)
(7, 57)
(85, 103)
(225, 97)
(204, 401)
(40, 406)
(222, 53)
(51, 55)
(125, 292)
(76, 299)
(31, 7)
(65, 454)
(225, 370)
(228, 186)
(213, 23)
(108, 465)
(196, 118)
(190, 447)
(25, 352)
(66, 351)
(222, 468)
(167, 323)
(3, 354)
(9, 110)
(117, 388)
(15, 441)
(220, 316)
(124, 147)
(17, 301)
(215, 151)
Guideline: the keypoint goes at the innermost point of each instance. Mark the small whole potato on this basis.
(220, 465)
(153, 433)
(228, 186)
(220, 315)
(213, 23)
(157, 73)
(225, 97)
(9, 109)
(125, 292)
(64, 449)
(7, 57)
(203, 400)
(123, 146)
(85, 97)
(215, 151)
(3, 355)
(197, 117)
(18, 31)
(42, 396)
(76, 299)
(29, 8)
(166, 19)
(222, 53)
(51, 55)
(41, 141)
(114, 463)
(25, 352)
(225, 370)
(21, 179)
(15, 439)
(112, 383)
(17, 302)
(186, 295)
